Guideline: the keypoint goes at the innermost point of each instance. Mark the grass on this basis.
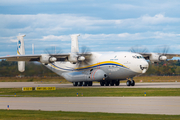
(56, 115)
(92, 92)
(157, 79)
(44, 80)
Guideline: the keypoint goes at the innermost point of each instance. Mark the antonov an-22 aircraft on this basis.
(83, 68)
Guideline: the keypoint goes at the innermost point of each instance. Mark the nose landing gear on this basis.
(130, 83)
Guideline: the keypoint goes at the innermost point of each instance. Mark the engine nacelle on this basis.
(73, 58)
(47, 59)
(162, 58)
(81, 58)
(156, 58)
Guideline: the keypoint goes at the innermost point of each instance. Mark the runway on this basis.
(95, 85)
(140, 105)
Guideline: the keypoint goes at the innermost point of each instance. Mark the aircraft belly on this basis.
(118, 72)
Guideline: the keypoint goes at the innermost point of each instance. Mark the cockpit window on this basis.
(137, 57)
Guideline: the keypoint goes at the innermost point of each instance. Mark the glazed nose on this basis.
(144, 66)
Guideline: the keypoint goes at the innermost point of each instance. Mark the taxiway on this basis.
(95, 85)
(140, 105)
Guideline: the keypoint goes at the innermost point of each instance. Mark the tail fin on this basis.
(21, 51)
(74, 43)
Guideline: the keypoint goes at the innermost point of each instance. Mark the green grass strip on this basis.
(56, 115)
(92, 92)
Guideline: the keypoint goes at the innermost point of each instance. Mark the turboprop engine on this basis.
(156, 57)
(75, 58)
(45, 58)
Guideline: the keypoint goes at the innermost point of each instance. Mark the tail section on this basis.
(20, 45)
(74, 43)
(21, 51)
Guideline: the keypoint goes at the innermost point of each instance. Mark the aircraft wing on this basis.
(60, 57)
(148, 55)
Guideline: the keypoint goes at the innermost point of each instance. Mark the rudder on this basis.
(21, 51)
(74, 43)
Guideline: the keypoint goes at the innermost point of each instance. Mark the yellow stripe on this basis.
(53, 66)
(102, 63)
(94, 65)
(18, 52)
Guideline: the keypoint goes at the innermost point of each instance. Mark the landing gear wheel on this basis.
(112, 83)
(75, 83)
(128, 83)
(107, 83)
(90, 83)
(102, 83)
(132, 83)
(117, 82)
(79, 83)
(84, 83)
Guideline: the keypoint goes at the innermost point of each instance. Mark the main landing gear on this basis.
(110, 82)
(82, 83)
(130, 83)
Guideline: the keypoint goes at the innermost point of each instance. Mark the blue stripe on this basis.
(102, 65)
(62, 68)
(88, 67)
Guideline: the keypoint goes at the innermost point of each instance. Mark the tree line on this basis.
(10, 69)
(169, 68)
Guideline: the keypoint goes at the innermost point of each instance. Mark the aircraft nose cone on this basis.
(144, 66)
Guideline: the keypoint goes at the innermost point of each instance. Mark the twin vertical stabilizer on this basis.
(74, 43)
(21, 51)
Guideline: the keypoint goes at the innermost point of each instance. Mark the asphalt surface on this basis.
(96, 85)
(141, 105)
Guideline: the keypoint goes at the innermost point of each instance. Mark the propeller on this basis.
(83, 58)
(162, 50)
(138, 49)
(51, 52)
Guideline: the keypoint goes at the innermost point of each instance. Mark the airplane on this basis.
(108, 68)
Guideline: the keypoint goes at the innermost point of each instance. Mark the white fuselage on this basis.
(116, 65)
